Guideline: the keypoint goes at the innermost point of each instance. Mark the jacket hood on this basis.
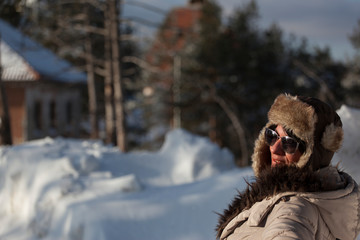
(312, 121)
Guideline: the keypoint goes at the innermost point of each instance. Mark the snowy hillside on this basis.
(84, 190)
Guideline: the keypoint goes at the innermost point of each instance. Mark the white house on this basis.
(43, 91)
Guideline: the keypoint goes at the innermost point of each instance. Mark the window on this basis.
(38, 115)
(69, 112)
(53, 114)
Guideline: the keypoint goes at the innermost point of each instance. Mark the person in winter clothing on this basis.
(296, 194)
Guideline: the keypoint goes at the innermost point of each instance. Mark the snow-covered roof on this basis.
(23, 59)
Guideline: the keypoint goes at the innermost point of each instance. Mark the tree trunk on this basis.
(5, 130)
(108, 83)
(91, 81)
(118, 88)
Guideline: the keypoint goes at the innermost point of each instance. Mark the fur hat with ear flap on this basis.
(309, 119)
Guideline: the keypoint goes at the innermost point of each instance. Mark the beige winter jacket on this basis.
(295, 215)
(307, 200)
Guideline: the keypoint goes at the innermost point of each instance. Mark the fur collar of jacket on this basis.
(273, 181)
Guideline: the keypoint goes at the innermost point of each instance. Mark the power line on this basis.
(147, 6)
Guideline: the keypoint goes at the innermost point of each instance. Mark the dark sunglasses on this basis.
(289, 144)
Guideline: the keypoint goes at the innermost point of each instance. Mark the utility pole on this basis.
(114, 10)
(176, 91)
(5, 130)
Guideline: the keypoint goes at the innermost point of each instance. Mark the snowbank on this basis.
(194, 158)
(348, 157)
(71, 189)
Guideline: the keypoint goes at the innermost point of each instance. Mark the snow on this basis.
(81, 189)
(349, 155)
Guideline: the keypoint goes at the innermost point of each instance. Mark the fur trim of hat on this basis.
(312, 121)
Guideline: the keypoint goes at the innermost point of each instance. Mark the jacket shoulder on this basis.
(283, 215)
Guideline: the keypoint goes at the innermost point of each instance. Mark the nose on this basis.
(277, 148)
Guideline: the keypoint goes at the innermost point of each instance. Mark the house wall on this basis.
(16, 104)
(52, 111)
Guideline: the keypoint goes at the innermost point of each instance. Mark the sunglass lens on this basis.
(289, 144)
(270, 136)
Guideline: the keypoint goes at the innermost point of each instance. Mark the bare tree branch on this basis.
(143, 64)
(323, 86)
(238, 126)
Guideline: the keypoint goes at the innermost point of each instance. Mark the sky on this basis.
(322, 22)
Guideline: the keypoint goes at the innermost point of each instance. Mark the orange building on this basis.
(167, 54)
(180, 27)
